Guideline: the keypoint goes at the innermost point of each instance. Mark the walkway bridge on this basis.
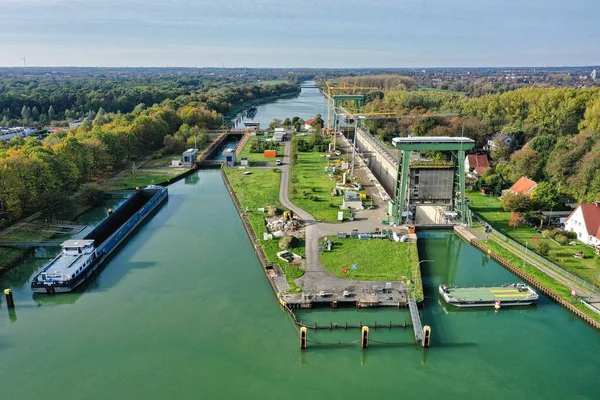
(416, 319)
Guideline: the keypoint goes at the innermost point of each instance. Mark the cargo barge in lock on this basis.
(514, 294)
(79, 258)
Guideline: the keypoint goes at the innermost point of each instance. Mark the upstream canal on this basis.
(183, 310)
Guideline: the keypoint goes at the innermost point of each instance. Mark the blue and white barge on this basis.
(80, 258)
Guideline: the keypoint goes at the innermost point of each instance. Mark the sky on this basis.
(300, 33)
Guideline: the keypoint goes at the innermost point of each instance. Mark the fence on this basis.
(537, 284)
(385, 152)
(532, 255)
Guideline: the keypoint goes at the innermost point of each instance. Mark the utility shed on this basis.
(229, 157)
(189, 157)
(351, 201)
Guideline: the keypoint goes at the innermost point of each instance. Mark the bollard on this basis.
(345, 324)
(375, 324)
(404, 324)
(426, 336)
(330, 325)
(390, 324)
(10, 303)
(364, 341)
(303, 335)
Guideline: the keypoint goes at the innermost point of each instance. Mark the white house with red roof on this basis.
(475, 165)
(585, 222)
(308, 124)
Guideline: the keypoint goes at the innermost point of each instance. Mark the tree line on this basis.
(29, 101)
(39, 175)
(555, 132)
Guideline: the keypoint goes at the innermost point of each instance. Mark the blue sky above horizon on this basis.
(311, 33)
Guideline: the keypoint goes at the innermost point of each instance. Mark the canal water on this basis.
(307, 104)
(183, 310)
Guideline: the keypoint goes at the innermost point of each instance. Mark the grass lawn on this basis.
(375, 259)
(541, 277)
(489, 209)
(308, 178)
(257, 157)
(261, 189)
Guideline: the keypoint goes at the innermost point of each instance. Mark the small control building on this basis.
(189, 157)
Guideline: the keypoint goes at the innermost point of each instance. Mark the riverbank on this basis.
(541, 281)
(237, 109)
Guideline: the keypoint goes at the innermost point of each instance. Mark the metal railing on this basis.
(547, 263)
(385, 152)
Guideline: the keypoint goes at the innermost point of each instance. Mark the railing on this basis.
(375, 143)
(556, 268)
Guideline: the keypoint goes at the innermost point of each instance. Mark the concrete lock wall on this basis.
(380, 163)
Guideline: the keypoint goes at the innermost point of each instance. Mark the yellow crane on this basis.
(331, 88)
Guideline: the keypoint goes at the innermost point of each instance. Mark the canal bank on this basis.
(183, 311)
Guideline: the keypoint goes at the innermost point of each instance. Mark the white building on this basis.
(585, 221)
(189, 157)
(308, 124)
(279, 135)
(497, 140)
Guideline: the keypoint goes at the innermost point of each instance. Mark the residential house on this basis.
(497, 140)
(475, 165)
(523, 186)
(308, 124)
(585, 222)
(78, 122)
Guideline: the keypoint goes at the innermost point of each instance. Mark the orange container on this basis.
(270, 153)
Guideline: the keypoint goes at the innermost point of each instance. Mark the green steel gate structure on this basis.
(457, 146)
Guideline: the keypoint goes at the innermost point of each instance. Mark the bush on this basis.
(562, 239)
(543, 249)
(91, 195)
(570, 235)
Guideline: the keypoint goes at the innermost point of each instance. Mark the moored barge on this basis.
(514, 294)
(79, 258)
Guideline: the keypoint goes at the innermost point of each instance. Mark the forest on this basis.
(29, 100)
(39, 175)
(555, 132)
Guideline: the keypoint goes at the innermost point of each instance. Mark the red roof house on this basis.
(523, 186)
(476, 162)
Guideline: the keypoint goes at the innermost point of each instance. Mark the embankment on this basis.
(463, 233)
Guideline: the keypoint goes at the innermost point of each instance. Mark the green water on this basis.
(184, 311)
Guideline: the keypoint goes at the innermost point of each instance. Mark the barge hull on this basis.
(111, 241)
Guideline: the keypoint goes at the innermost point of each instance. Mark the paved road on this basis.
(316, 278)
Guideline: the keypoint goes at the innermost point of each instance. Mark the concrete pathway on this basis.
(581, 290)
(316, 278)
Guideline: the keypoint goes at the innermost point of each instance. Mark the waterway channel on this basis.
(183, 310)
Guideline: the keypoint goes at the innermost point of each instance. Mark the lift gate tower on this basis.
(457, 146)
